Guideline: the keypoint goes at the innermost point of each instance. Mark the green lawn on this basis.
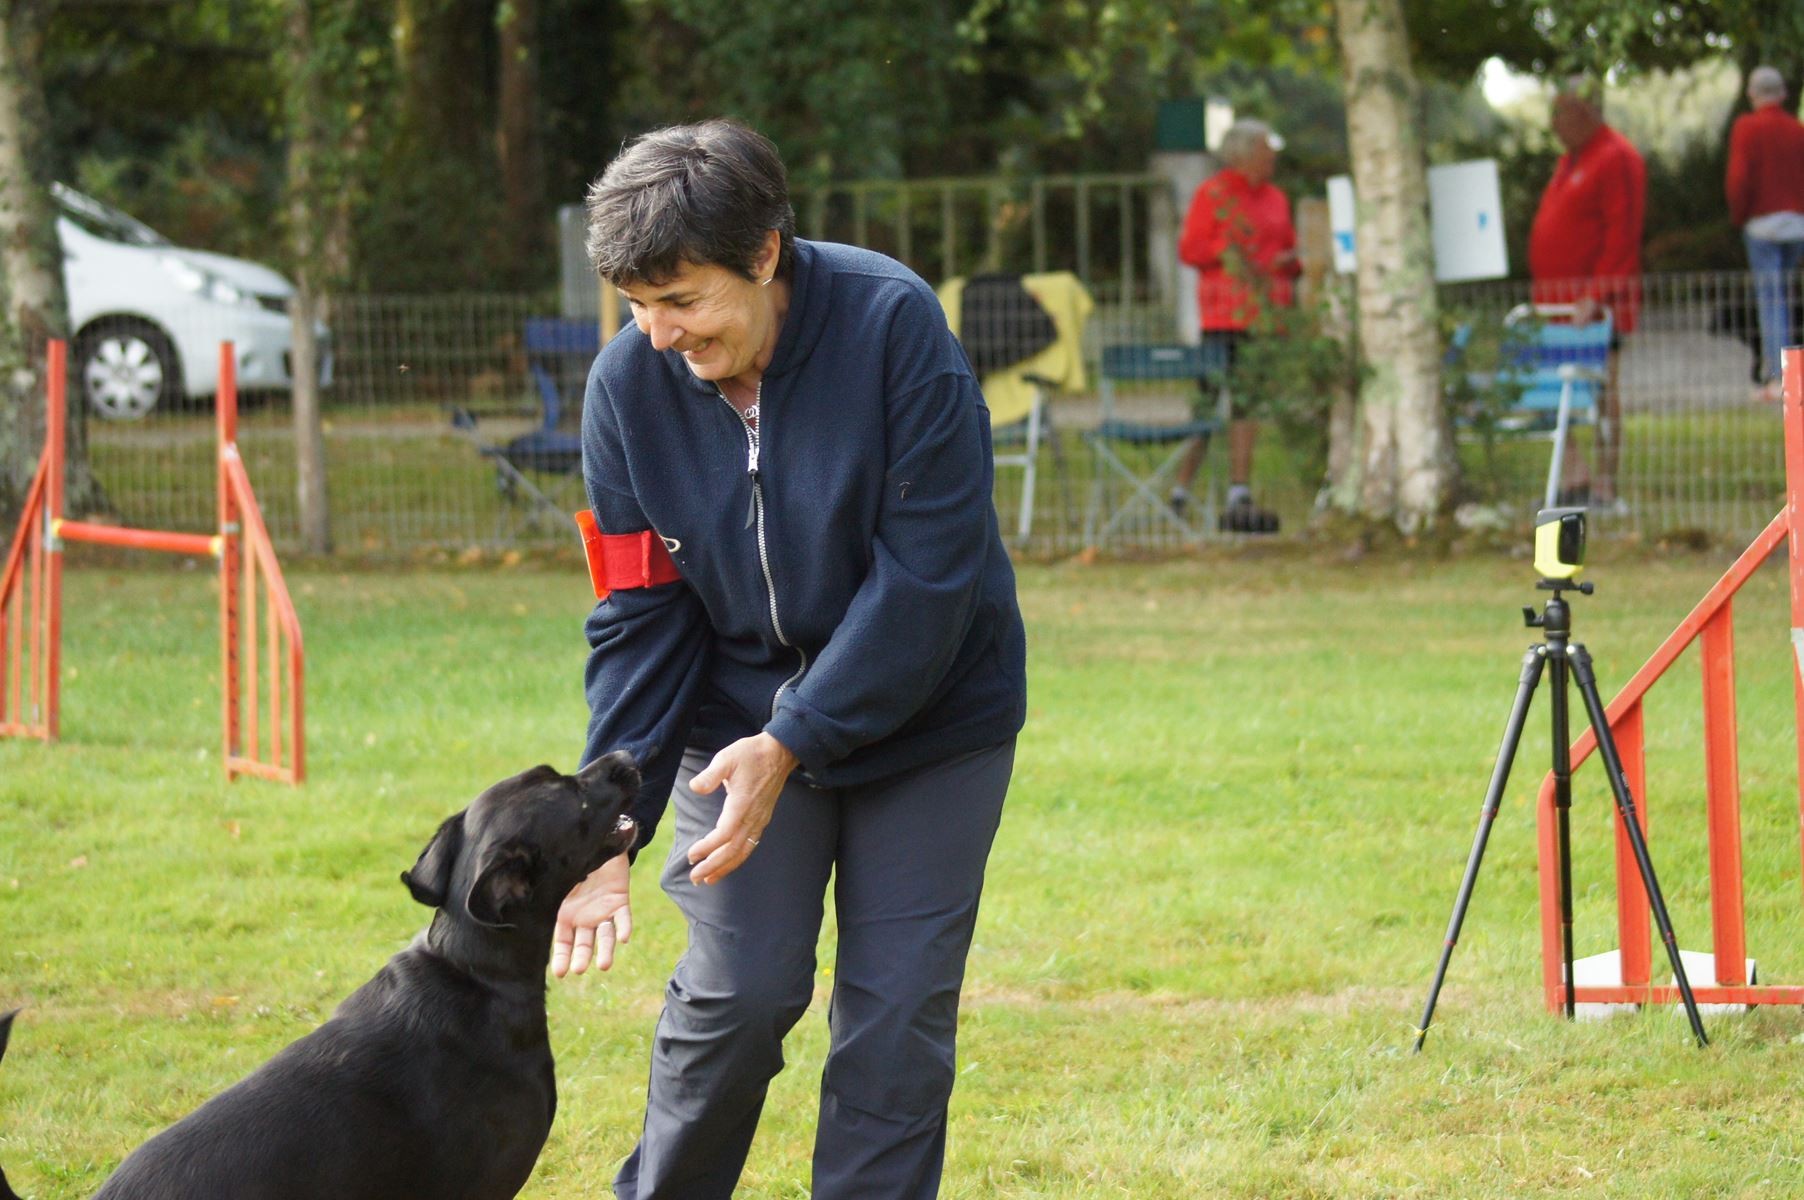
(1241, 809)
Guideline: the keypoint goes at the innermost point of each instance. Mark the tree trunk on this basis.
(1403, 468)
(443, 96)
(305, 224)
(518, 148)
(31, 267)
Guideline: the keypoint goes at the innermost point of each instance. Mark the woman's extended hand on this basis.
(754, 770)
(594, 916)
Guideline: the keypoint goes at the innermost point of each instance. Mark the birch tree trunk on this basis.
(1402, 467)
(31, 270)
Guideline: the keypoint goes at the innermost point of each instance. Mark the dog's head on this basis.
(514, 854)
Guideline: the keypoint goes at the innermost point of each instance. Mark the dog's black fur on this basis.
(6, 1029)
(434, 1080)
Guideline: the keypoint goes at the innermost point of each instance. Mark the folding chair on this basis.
(541, 468)
(1018, 443)
(1561, 369)
(1024, 337)
(1115, 439)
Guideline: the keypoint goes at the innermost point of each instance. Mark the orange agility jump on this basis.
(264, 737)
(1711, 624)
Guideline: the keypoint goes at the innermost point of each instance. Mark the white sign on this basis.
(1465, 220)
(1341, 222)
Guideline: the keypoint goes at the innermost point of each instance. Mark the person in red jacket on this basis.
(1584, 249)
(1238, 235)
(1765, 187)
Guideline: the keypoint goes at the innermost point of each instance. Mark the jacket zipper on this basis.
(756, 516)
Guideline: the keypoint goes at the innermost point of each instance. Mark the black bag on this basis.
(1001, 324)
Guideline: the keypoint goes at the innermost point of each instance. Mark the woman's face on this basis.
(723, 324)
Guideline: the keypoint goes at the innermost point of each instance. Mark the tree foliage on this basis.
(176, 111)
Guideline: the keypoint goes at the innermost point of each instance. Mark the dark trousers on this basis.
(907, 859)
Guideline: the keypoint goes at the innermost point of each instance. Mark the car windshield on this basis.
(104, 221)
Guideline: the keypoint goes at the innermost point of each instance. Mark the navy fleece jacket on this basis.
(851, 596)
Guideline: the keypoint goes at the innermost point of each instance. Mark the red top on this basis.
(1228, 211)
(1586, 240)
(1766, 164)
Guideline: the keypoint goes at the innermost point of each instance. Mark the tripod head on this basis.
(1556, 617)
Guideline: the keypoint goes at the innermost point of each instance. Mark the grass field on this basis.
(1241, 808)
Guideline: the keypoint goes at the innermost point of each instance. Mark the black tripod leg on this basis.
(1562, 804)
(1500, 776)
(1625, 804)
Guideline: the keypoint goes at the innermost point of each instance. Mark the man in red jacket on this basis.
(1585, 250)
(1238, 235)
(1765, 186)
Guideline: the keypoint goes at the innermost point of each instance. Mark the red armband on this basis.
(624, 560)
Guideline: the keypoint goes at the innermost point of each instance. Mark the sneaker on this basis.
(1248, 518)
(1770, 392)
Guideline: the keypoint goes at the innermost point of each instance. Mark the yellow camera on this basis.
(1560, 542)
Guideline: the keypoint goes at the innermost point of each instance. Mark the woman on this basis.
(828, 664)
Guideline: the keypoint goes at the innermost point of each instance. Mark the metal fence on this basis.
(425, 391)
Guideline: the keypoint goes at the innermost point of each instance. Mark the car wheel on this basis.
(127, 368)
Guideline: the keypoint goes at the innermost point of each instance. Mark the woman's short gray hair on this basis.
(704, 194)
(1243, 137)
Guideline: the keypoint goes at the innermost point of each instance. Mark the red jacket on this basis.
(1586, 239)
(1766, 164)
(1228, 212)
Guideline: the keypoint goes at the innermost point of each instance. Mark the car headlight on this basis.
(204, 283)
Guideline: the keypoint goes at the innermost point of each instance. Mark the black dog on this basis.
(6, 1029)
(434, 1080)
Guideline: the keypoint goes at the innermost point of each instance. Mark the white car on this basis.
(147, 315)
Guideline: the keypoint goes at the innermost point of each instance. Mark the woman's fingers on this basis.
(605, 935)
(561, 940)
(723, 859)
(583, 950)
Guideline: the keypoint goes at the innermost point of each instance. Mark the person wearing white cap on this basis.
(1239, 236)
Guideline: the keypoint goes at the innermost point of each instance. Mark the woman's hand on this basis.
(754, 770)
(596, 914)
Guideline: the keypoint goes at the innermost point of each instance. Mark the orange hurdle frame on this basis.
(31, 590)
(1711, 624)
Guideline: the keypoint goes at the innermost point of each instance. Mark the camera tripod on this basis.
(1568, 659)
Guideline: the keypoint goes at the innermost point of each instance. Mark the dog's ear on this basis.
(502, 885)
(430, 878)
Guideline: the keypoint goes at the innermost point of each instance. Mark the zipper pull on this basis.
(751, 472)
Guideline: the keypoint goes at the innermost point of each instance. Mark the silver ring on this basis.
(750, 840)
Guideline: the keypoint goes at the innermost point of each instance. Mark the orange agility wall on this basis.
(260, 636)
(1711, 624)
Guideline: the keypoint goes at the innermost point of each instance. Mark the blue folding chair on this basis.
(558, 353)
(1560, 368)
(1115, 440)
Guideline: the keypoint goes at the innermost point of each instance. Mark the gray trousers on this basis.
(907, 859)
